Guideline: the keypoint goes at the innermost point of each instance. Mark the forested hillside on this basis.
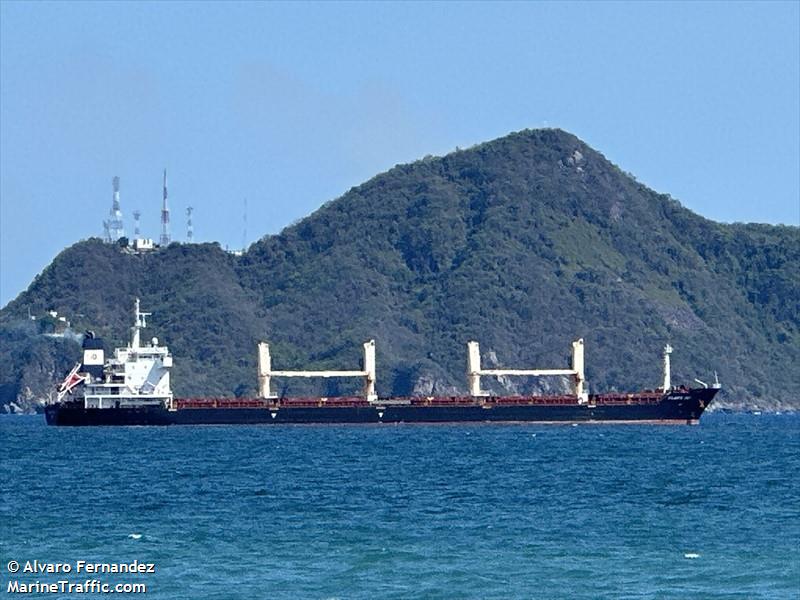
(523, 243)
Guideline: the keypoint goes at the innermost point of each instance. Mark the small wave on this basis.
(135, 536)
(691, 555)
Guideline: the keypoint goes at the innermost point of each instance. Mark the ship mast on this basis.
(139, 322)
(667, 380)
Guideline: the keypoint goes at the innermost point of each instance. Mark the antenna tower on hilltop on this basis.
(189, 226)
(136, 215)
(165, 239)
(244, 232)
(114, 227)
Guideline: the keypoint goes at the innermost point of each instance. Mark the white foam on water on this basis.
(135, 536)
(691, 555)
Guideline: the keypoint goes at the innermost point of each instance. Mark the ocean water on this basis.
(486, 511)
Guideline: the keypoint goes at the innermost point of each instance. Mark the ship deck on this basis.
(447, 401)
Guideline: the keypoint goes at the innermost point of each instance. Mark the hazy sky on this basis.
(290, 105)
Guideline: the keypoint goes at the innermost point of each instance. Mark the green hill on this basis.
(523, 243)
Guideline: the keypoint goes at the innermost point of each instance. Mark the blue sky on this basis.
(289, 105)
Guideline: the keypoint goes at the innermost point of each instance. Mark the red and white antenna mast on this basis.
(165, 239)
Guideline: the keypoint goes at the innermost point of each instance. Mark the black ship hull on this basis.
(676, 407)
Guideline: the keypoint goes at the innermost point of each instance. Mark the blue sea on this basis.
(472, 511)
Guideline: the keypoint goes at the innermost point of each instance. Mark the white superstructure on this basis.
(137, 375)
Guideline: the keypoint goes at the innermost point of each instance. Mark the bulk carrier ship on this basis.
(133, 388)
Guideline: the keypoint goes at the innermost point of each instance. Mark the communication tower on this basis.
(136, 215)
(114, 227)
(189, 226)
(165, 238)
(244, 227)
